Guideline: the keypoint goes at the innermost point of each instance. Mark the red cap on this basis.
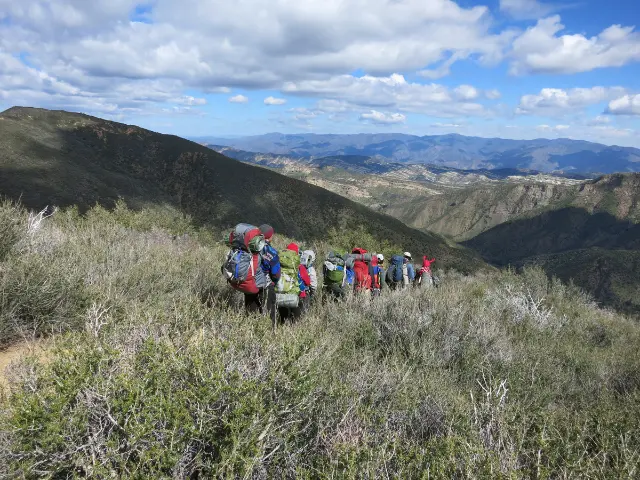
(294, 247)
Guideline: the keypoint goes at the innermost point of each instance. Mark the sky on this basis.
(494, 68)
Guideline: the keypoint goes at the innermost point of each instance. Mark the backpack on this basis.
(246, 237)
(289, 281)
(362, 262)
(396, 270)
(334, 269)
(242, 268)
(288, 287)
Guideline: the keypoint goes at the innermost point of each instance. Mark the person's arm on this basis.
(304, 275)
(314, 277)
(274, 267)
(410, 272)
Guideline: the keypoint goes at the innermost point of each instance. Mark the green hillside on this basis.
(60, 158)
(612, 276)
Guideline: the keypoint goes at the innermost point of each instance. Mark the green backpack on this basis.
(333, 269)
(289, 263)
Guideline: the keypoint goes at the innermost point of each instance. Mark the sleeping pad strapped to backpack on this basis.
(288, 287)
(242, 267)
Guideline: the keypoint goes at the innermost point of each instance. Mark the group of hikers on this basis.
(284, 283)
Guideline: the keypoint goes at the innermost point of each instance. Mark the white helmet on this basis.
(380, 257)
(408, 255)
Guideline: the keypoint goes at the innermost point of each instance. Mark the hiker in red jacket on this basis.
(425, 276)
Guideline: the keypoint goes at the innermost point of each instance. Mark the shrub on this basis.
(11, 227)
(163, 375)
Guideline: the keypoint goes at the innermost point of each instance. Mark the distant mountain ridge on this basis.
(451, 150)
(419, 172)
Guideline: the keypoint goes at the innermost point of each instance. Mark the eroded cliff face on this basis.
(463, 214)
(467, 213)
(618, 194)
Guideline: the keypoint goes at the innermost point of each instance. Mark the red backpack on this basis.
(362, 269)
(242, 267)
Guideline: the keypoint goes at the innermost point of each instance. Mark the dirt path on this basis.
(15, 352)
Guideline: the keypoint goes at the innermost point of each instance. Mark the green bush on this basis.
(163, 375)
(12, 224)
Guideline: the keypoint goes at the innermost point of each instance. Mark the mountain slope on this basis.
(463, 214)
(589, 232)
(611, 276)
(450, 150)
(61, 158)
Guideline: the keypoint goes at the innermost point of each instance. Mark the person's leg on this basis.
(270, 302)
(304, 304)
(252, 302)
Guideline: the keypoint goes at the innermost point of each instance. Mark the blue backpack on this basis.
(397, 261)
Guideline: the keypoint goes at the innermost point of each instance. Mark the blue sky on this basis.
(507, 68)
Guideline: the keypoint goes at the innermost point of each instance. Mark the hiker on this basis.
(378, 276)
(292, 288)
(335, 275)
(252, 267)
(424, 277)
(401, 272)
(362, 261)
(307, 258)
(410, 273)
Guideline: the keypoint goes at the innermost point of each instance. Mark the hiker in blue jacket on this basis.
(270, 263)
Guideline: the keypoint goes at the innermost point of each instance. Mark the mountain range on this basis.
(70, 159)
(452, 150)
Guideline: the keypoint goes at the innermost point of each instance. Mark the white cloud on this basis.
(492, 94)
(558, 102)
(446, 125)
(238, 99)
(210, 45)
(304, 114)
(24, 85)
(626, 105)
(332, 106)
(525, 9)
(381, 118)
(540, 50)
(393, 92)
(599, 120)
(274, 101)
(466, 92)
(192, 101)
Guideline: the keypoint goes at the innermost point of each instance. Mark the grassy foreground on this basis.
(155, 372)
